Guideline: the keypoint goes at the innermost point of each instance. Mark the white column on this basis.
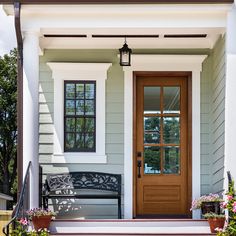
(230, 96)
(31, 113)
(128, 140)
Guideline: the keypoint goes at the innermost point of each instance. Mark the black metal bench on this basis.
(73, 185)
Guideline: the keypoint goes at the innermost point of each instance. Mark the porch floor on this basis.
(130, 227)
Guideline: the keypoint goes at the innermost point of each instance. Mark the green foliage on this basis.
(230, 206)
(212, 215)
(22, 229)
(8, 122)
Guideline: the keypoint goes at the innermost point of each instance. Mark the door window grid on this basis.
(167, 154)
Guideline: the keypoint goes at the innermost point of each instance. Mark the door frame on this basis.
(170, 74)
(158, 63)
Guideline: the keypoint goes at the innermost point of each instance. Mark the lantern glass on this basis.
(125, 55)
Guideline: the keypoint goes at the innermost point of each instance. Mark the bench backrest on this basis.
(84, 180)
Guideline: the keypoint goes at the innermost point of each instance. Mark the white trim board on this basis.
(191, 63)
(78, 71)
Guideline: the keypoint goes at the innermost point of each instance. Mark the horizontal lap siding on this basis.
(205, 148)
(114, 129)
(218, 115)
(212, 119)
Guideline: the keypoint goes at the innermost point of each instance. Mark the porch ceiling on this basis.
(139, 38)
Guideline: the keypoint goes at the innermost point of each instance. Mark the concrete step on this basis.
(130, 227)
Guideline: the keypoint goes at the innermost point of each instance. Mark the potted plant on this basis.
(22, 229)
(230, 206)
(207, 203)
(41, 218)
(216, 221)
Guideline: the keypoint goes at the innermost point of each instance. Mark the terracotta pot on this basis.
(216, 223)
(208, 207)
(41, 222)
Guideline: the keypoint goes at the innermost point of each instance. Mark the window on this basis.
(80, 116)
(86, 85)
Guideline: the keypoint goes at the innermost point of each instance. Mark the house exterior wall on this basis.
(115, 122)
(206, 176)
(114, 125)
(218, 115)
(212, 119)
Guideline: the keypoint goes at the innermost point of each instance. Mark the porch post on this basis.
(31, 113)
(230, 96)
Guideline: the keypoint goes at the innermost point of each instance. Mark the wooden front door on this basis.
(162, 157)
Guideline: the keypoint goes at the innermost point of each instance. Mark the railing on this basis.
(20, 208)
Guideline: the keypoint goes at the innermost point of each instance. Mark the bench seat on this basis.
(73, 184)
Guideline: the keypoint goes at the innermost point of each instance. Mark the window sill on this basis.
(71, 157)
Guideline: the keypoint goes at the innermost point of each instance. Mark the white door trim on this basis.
(191, 63)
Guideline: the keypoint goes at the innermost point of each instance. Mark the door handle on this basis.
(139, 168)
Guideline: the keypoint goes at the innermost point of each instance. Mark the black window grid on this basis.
(84, 116)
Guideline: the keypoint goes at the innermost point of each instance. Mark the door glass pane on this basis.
(171, 99)
(152, 100)
(152, 160)
(151, 129)
(171, 159)
(171, 130)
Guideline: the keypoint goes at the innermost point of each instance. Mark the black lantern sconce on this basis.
(125, 55)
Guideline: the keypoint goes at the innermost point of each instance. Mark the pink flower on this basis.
(223, 205)
(23, 221)
(229, 197)
(234, 207)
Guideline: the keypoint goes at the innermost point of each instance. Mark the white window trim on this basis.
(192, 63)
(78, 71)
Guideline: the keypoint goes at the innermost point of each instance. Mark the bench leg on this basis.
(119, 208)
(45, 203)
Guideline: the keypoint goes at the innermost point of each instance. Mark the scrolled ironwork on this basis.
(20, 208)
(84, 180)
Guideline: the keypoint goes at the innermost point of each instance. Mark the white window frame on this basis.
(79, 71)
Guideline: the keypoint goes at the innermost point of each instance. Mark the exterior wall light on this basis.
(125, 55)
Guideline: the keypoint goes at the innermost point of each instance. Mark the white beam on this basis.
(124, 16)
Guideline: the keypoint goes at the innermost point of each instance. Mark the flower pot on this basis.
(208, 207)
(41, 222)
(216, 223)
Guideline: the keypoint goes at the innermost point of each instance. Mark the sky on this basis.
(7, 33)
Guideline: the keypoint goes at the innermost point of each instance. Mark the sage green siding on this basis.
(218, 115)
(205, 125)
(212, 119)
(114, 127)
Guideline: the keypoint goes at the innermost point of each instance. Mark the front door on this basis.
(162, 158)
